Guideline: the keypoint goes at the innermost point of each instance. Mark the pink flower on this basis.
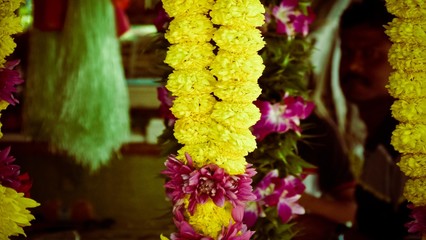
(10, 174)
(282, 116)
(290, 20)
(179, 174)
(208, 182)
(418, 225)
(274, 191)
(185, 230)
(166, 102)
(8, 79)
(236, 231)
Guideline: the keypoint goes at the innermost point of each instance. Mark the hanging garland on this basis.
(14, 187)
(283, 83)
(407, 84)
(213, 86)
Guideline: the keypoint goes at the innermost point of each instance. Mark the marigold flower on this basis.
(229, 66)
(415, 191)
(197, 28)
(413, 165)
(239, 40)
(187, 81)
(242, 115)
(190, 56)
(238, 13)
(407, 85)
(411, 110)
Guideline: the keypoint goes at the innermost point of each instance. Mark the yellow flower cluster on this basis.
(407, 57)
(416, 191)
(407, 85)
(413, 111)
(214, 93)
(13, 212)
(407, 8)
(10, 24)
(209, 219)
(413, 165)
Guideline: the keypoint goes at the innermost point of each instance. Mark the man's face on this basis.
(364, 68)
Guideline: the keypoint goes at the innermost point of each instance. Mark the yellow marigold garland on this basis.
(10, 24)
(407, 56)
(214, 94)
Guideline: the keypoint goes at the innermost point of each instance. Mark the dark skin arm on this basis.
(340, 208)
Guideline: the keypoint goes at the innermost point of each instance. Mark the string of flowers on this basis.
(407, 57)
(282, 105)
(209, 178)
(14, 186)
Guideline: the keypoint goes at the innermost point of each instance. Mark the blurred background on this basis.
(123, 199)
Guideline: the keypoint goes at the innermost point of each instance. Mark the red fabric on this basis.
(121, 21)
(49, 15)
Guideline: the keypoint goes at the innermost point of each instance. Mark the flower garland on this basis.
(209, 178)
(406, 83)
(14, 187)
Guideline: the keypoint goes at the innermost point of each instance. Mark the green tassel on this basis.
(41, 108)
(90, 119)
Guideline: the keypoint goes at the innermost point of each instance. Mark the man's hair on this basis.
(366, 12)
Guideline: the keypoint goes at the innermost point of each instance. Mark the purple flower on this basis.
(8, 79)
(282, 116)
(290, 20)
(236, 231)
(207, 182)
(162, 20)
(10, 174)
(166, 102)
(179, 174)
(418, 225)
(274, 191)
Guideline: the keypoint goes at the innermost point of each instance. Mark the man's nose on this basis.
(356, 62)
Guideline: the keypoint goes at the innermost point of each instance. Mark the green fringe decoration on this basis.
(89, 119)
(40, 103)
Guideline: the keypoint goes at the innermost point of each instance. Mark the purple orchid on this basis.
(207, 182)
(10, 174)
(8, 79)
(274, 191)
(166, 102)
(290, 20)
(418, 225)
(282, 116)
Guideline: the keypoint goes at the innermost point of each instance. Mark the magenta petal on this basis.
(282, 28)
(284, 211)
(289, 3)
(238, 213)
(219, 199)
